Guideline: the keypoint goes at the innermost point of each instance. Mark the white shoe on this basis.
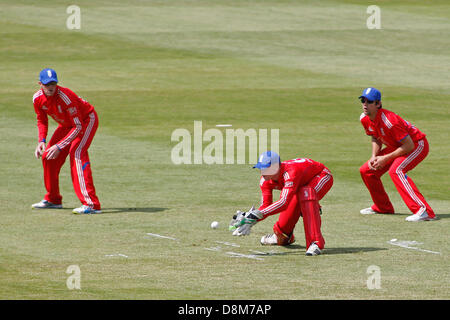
(44, 204)
(368, 211)
(313, 250)
(419, 217)
(269, 239)
(86, 210)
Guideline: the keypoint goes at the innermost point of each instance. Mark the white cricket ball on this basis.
(214, 224)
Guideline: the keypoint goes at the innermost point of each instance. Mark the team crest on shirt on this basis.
(370, 129)
(382, 131)
(289, 184)
(72, 110)
(59, 109)
(44, 108)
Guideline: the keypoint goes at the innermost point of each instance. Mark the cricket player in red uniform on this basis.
(406, 147)
(303, 182)
(77, 124)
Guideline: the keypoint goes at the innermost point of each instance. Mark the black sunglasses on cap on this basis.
(367, 100)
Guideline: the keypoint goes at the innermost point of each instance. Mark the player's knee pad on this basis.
(282, 238)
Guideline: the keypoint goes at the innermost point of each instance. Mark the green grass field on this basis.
(150, 67)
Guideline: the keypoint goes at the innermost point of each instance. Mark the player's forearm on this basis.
(279, 205)
(405, 148)
(266, 200)
(376, 147)
(42, 124)
(42, 133)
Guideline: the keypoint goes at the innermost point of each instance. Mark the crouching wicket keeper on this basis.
(303, 182)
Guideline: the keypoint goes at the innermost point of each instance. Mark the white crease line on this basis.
(240, 255)
(269, 253)
(213, 249)
(406, 244)
(160, 236)
(116, 255)
(262, 253)
(229, 244)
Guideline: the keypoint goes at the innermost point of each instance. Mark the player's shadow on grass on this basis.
(347, 250)
(442, 216)
(327, 251)
(132, 209)
(343, 250)
(439, 215)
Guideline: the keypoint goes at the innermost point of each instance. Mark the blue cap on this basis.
(268, 159)
(48, 75)
(371, 94)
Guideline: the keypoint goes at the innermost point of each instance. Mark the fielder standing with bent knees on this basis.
(406, 147)
(77, 124)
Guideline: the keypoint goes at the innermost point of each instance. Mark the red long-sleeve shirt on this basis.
(66, 108)
(294, 174)
(390, 128)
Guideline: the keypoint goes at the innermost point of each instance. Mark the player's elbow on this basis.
(408, 145)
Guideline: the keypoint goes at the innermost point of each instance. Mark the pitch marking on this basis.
(410, 245)
(241, 255)
(228, 244)
(213, 248)
(160, 236)
(116, 255)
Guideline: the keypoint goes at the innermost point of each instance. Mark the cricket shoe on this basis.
(419, 217)
(273, 240)
(371, 211)
(269, 240)
(85, 210)
(44, 204)
(313, 250)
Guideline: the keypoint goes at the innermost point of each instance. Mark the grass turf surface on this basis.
(152, 67)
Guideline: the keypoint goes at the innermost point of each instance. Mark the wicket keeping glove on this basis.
(244, 221)
(236, 218)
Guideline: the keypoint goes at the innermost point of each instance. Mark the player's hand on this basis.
(39, 150)
(248, 220)
(370, 163)
(379, 162)
(52, 152)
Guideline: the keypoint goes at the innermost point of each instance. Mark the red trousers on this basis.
(80, 167)
(305, 203)
(397, 169)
